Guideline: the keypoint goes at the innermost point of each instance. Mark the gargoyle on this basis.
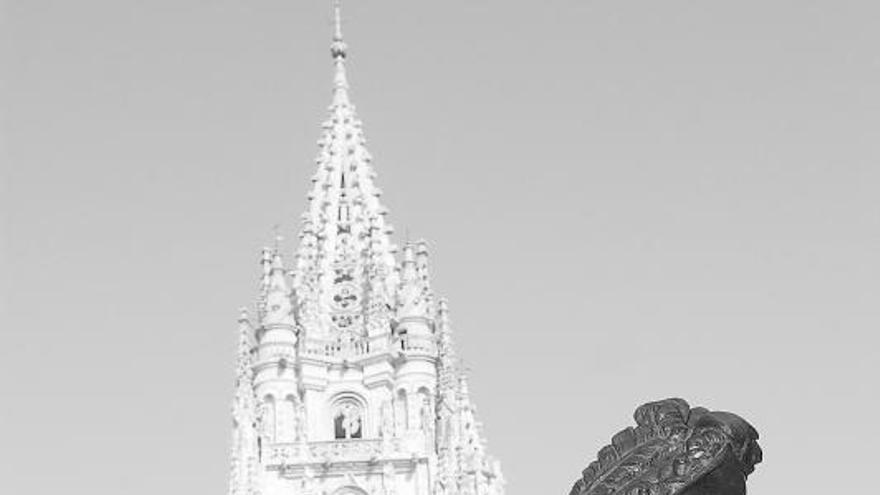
(675, 450)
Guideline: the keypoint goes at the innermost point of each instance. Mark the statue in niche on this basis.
(675, 450)
(347, 421)
(426, 413)
(299, 429)
(387, 425)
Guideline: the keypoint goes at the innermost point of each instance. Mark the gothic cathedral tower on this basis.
(347, 381)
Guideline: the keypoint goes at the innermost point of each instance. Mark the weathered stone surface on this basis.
(675, 450)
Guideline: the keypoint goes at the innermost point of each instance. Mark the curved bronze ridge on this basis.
(675, 450)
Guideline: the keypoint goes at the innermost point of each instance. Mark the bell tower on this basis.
(347, 379)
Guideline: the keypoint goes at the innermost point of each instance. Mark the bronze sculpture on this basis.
(675, 450)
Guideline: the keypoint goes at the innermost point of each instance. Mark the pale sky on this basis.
(625, 200)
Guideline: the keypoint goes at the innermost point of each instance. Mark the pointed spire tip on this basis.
(338, 48)
(337, 18)
(277, 237)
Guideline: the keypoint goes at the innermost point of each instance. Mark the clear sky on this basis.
(626, 200)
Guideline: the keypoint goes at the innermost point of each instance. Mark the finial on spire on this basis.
(337, 16)
(276, 231)
(338, 47)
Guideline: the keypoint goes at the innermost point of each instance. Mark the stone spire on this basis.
(278, 307)
(415, 298)
(447, 374)
(265, 271)
(424, 275)
(350, 344)
(245, 456)
(345, 242)
(448, 427)
(464, 465)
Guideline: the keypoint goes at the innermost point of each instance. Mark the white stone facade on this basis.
(347, 380)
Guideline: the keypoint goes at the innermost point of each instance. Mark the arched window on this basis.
(289, 418)
(401, 411)
(348, 419)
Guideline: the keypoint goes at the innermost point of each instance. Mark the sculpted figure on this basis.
(675, 450)
(387, 416)
(300, 422)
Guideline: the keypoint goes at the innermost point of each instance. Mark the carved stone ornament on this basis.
(675, 450)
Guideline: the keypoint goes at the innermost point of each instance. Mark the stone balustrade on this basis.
(408, 344)
(412, 344)
(346, 450)
(325, 348)
(343, 350)
(329, 451)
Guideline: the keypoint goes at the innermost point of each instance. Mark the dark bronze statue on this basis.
(675, 450)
